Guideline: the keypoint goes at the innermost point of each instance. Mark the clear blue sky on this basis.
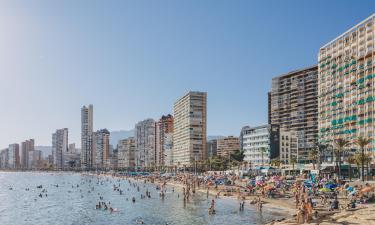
(133, 59)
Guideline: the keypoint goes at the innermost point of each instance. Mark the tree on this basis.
(341, 144)
(362, 159)
(293, 161)
(351, 160)
(262, 151)
(238, 155)
(362, 142)
(314, 156)
(276, 162)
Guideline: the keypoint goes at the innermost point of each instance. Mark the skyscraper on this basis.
(13, 156)
(126, 153)
(145, 143)
(86, 137)
(346, 85)
(100, 149)
(26, 147)
(60, 148)
(189, 129)
(294, 106)
(163, 127)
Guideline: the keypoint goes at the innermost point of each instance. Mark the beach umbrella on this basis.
(325, 190)
(350, 188)
(331, 186)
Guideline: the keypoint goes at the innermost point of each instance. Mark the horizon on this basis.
(133, 60)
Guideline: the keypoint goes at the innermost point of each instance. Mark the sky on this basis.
(133, 59)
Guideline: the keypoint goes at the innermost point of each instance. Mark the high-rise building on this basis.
(13, 156)
(60, 148)
(260, 144)
(26, 147)
(211, 148)
(189, 129)
(86, 137)
(294, 104)
(288, 146)
(100, 148)
(144, 135)
(72, 148)
(162, 127)
(168, 149)
(35, 158)
(126, 153)
(227, 146)
(346, 85)
(4, 158)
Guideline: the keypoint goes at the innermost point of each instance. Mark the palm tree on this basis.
(341, 144)
(293, 161)
(362, 142)
(314, 156)
(262, 151)
(351, 160)
(362, 159)
(276, 162)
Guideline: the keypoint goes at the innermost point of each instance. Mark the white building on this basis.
(256, 139)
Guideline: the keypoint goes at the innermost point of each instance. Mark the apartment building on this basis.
(59, 148)
(227, 145)
(86, 137)
(288, 146)
(163, 127)
(100, 148)
(144, 135)
(26, 147)
(126, 153)
(13, 156)
(346, 85)
(293, 103)
(189, 129)
(260, 144)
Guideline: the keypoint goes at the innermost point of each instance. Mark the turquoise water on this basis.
(67, 205)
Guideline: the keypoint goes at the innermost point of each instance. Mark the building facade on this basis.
(4, 158)
(346, 85)
(86, 137)
(189, 129)
(144, 135)
(227, 146)
(126, 153)
(294, 107)
(260, 144)
(211, 148)
(26, 147)
(100, 148)
(288, 146)
(163, 127)
(13, 156)
(59, 148)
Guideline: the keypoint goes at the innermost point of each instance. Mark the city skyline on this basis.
(45, 83)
